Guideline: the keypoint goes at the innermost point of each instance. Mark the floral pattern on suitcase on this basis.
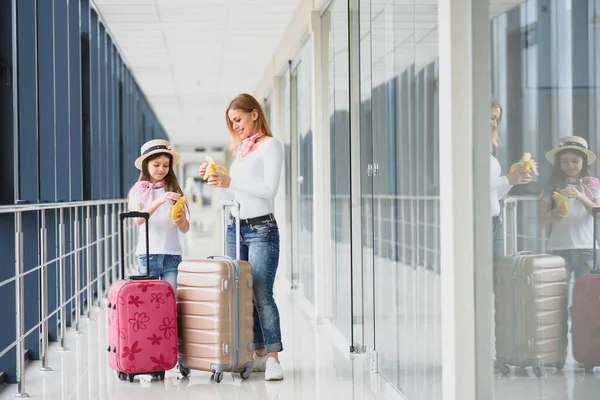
(142, 326)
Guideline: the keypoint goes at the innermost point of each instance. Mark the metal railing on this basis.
(75, 218)
(510, 215)
(400, 227)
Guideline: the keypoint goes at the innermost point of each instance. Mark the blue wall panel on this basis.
(94, 107)
(62, 152)
(102, 149)
(47, 128)
(75, 130)
(28, 159)
(7, 194)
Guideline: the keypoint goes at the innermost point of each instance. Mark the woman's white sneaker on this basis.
(273, 371)
(260, 363)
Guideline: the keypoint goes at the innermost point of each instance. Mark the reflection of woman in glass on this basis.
(567, 204)
(500, 185)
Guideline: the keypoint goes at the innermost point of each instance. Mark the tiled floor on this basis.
(315, 367)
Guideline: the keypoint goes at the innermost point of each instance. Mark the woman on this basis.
(253, 182)
(500, 185)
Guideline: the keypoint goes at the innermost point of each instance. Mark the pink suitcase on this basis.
(585, 318)
(142, 321)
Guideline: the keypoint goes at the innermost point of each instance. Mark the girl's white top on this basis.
(576, 231)
(164, 235)
(255, 179)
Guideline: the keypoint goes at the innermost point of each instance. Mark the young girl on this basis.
(571, 235)
(155, 192)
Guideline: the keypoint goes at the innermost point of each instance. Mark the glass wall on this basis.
(400, 193)
(545, 73)
(303, 131)
(287, 251)
(337, 75)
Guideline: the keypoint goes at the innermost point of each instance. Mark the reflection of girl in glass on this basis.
(500, 185)
(571, 235)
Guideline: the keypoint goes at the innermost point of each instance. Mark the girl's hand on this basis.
(217, 179)
(572, 192)
(172, 197)
(556, 216)
(518, 177)
(202, 169)
(181, 219)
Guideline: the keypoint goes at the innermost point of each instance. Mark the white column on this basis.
(466, 277)
(323, 262)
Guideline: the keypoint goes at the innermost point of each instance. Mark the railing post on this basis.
(107, 243)
(43, 297)
(20, 317)
(76, 275)
(61, 280)
(115, 250)
(99, 256)
(88, 267)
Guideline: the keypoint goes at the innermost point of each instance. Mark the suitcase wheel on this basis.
(537, 370)
(589, 368)
(185, 372)
(504, 369)
(159, 375)
(559, 367)
(218, 377)
(131, 377)
(122, 375)
(245, 374)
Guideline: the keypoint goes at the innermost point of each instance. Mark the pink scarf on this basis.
(249, 142)
(145, 190)
(589, 184)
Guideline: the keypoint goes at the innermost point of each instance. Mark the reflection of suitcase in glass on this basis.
(142, 323)
(585, 319)
(531, 311)
(215, 311)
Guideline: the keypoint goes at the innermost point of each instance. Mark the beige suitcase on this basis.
(214, 307)
(531, 311)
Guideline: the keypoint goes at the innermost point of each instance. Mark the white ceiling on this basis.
(191, 57)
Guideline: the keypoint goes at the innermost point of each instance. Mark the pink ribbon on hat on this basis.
(249, 142)
(145, 189)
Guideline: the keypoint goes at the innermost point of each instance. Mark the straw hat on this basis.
(571, 143)
(154, 147)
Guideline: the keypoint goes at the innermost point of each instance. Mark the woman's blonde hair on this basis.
(497, 106)
(247, 104)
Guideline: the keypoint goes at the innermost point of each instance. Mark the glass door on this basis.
(303, 198)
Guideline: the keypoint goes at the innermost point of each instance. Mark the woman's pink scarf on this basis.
(145, 190)
(249, 142)
(589, 185)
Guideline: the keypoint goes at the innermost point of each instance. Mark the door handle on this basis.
(300, 179)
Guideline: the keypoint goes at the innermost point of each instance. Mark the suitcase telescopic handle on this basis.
(236, 206)
(122, 218)
(595, 212)
(510, 248)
